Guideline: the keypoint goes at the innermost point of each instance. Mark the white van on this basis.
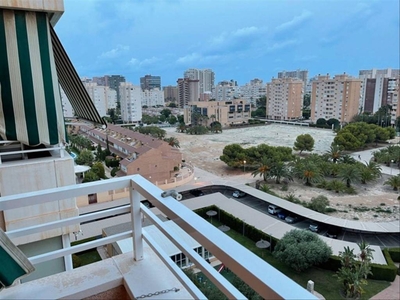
(273, 209)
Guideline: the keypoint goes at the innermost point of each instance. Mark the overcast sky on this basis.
(238, 39)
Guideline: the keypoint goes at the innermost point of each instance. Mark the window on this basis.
(92, 198)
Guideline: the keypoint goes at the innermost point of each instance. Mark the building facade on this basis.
(336, 97)
(227, 113)
(103, 97)
(112, 81)
(205, 77)
(170, 94)
(188, 91)
(284, 99)
(299, 74)
(377, 87)
(68, 111)
(131, 102)
(253, 91)
(153, 97)
(149, 82)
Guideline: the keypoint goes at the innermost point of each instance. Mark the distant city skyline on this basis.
(239, 40)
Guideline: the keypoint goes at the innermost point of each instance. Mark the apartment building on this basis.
(103, 97)
(205, 77)
(188, 91)
(131, 102)
(377, 87)
(227, 113)
(336, 97)
(226, 92)
(299, 74)
(112, 81)
(170, 93)
(68, 110)
(253, 91)
(149, 82)
(284, 99)
(153, 97)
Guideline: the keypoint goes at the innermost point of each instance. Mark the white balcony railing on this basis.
(264, 279)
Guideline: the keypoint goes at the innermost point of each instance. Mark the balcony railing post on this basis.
(136, 225)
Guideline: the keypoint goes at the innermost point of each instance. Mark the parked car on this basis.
(333, 232)
(238, 194)
(314, 227)
(197, 193)
(273, 209)
(291, 219)
(282, 215)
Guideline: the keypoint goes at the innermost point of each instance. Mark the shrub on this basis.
(301, 249)
(395, 254)
(319, 203)
(384, 272)
(330, 210)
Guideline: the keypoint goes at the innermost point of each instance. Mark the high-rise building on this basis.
(299, 74)
(226, 92)
(336, 97)
(149, 82)
(68, 111)
(103, 97)
(188, 91)
(253, 91)
(111, 81)
(170, 94)
(153, 97)
(376, 88)
(206, 78)
(284, 99)
(131, 102)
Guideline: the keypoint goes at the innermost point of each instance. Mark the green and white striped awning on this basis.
(30, 73)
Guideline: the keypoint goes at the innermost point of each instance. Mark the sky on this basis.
(237, 39)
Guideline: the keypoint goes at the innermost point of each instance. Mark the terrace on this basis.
(147, 269)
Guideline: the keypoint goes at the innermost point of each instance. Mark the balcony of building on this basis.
(148, 269)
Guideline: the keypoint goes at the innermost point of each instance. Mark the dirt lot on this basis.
(204, 151)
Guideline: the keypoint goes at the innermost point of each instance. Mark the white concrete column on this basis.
(136, 225)
(68, 258)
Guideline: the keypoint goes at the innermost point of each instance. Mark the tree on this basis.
(319, 203)
(321, 121)
(334, 122)
(353, 273)
(98, 168)
(264, 168)
(216, 127)
(90, 176)
(394, 182)
(349, 174)
(233, 155)
(165, 112)
(172, 120)
(308, 171)
(302, 249)
(172, 141)
(280, 170)
(154, 131)
(85, 158)
(334, 152)
(304, 142)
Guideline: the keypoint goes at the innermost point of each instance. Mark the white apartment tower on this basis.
(284, 99)
(131, 102)
(299, 74)
(253, 91)
(103, 97)
(153, 97)
(205, 77)
(68, 111)
(336, 97)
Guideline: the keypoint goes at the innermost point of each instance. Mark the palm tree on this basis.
(280, 170)
(263, 168)
(365, 251)
(394, 182)
(309, 172)
(334, 152)
(347, 257)
(172, 141)
(347, 159)
(349, 174)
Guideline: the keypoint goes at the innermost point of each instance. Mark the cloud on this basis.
(281, 45)
(192, 57)
(236, 40)
(305, 58)
(143, 63)
(116, 52)
(296, 21)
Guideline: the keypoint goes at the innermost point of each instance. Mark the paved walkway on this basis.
(392, 292)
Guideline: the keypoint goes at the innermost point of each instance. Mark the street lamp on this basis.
(244, 166)
(392, 161)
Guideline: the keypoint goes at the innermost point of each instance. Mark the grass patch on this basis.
(325, 281)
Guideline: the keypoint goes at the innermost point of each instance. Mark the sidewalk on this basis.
(392, 292)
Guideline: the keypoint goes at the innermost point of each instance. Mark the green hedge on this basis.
(384, 272)
(395, 254)
(379, 272)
